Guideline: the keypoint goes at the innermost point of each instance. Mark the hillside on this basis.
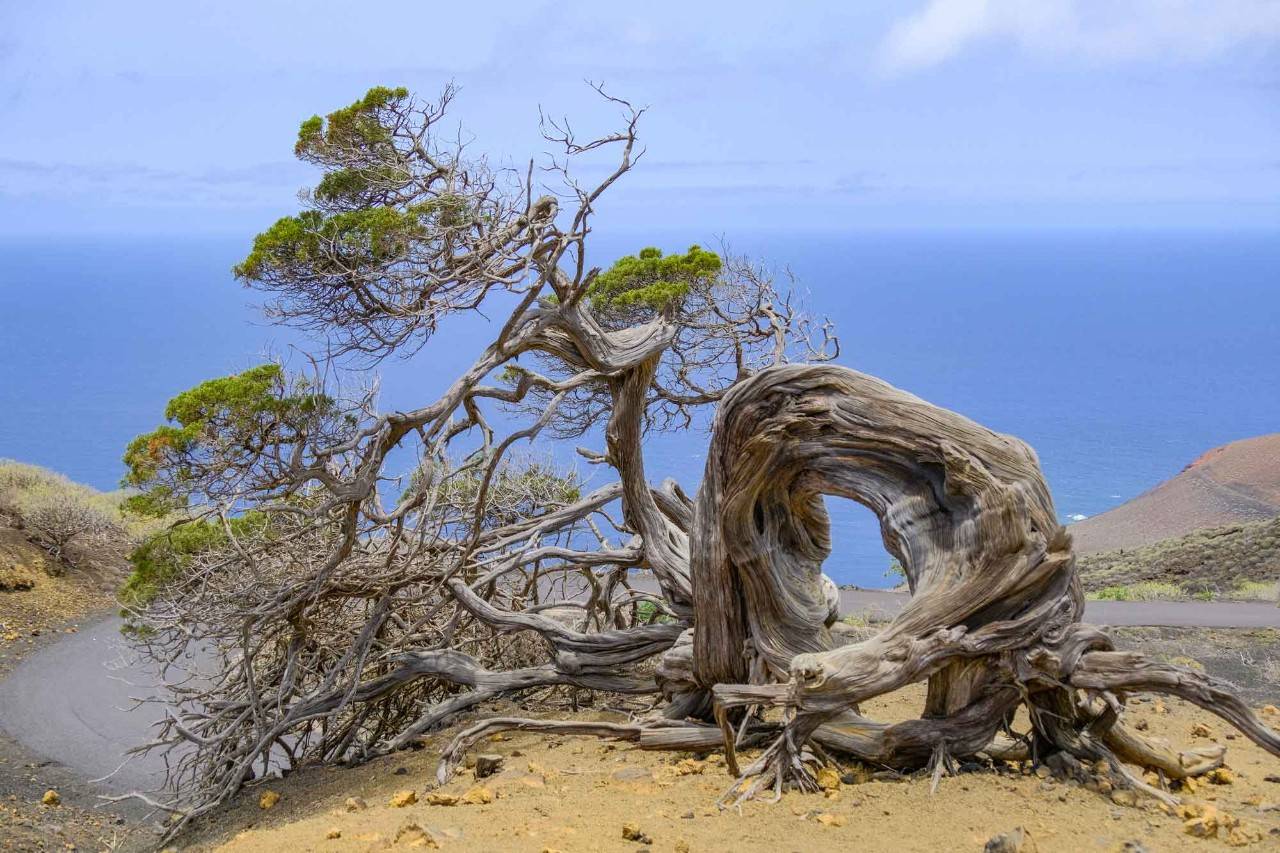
(1237, 483)
(1234, 560)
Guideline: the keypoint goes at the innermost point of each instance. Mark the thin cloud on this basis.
(140, 183)
(1098, 31)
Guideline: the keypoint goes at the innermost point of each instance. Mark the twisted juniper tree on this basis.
(365, 577)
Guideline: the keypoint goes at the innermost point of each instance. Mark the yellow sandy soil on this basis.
(577, 794)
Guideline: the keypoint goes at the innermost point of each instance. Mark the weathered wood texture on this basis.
(994, 618)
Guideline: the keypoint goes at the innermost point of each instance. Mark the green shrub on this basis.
(1141, 591)
(647, 613)
(163, 555)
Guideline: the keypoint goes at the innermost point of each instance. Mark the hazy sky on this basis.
(180, 116)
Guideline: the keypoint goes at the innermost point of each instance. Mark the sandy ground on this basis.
(578, 794)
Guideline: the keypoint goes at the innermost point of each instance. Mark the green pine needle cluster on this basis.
(653, 280)
(245, 409)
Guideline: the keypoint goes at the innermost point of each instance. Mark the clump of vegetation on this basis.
(165, 553)
(1144, 591)
(66, 519)
(649, 613)
(1235, 561)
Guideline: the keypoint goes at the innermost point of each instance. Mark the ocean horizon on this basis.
(1120, 356)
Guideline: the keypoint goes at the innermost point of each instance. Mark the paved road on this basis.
(880, 604)
(70, 702)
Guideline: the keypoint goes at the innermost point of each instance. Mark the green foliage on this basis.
(163, 555)
(652, 280)
(895, 570)
(1145, 591)
(359, 127)
(246, 410)
(648, 613)
(313, 242)
(356, 147)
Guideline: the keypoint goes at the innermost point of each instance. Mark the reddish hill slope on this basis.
(1234, 483)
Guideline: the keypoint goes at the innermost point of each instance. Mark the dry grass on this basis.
(73, 523)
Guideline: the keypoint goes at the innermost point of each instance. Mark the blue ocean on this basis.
(1119, 356)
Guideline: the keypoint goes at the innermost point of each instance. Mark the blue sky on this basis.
(175, 118)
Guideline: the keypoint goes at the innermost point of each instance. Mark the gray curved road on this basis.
(70, 702)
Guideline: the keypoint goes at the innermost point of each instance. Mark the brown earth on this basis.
(1238, 482)
(579, 794)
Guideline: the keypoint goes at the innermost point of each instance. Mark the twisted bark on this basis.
(994, 619)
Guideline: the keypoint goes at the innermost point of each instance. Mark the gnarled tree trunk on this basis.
(994, 618)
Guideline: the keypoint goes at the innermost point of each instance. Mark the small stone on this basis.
(51, 798)
(1238, 836)
(682, 846)
(400, 799)
(1201, 730)
(828, 778)
(690, 767)
(631, 832)
(827, 819)
(1221, 776)
(1016, 841)
(1142, 725)
(401, 771)
(1271, 710)
(1201, 827)
(440, 798)
(1159, 707)
(687, 816)
(478, 795)
(1124, 797)
(1271, 777)
(333, 833)
(268, 800)
(356, 804)
(412, 835)
(488, 764)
